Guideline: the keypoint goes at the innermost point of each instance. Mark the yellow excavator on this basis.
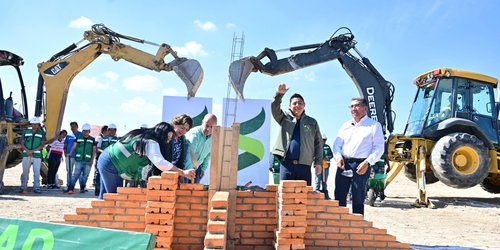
(56, 74)
(452, 133)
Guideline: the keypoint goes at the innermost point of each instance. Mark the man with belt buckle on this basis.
(299, 142)
(359, 144)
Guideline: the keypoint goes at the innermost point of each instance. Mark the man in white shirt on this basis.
(359, 144)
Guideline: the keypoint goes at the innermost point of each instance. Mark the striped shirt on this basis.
(57, 147)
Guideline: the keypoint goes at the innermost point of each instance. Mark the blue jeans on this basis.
(110, 180)
(70, 166)
(27, 162)
(197, 175)
(357, 183)
(290, 171)
(319, 180)
(81, 174)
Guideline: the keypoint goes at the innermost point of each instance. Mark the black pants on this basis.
(54, 161)
(357, 183)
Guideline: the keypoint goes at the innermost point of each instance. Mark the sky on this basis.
(402, 39)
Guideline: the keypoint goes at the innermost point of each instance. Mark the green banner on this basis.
(27, 235)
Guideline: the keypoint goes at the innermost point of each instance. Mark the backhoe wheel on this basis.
(44, 172)
(492, 184)
(410, 174)
(460, 160)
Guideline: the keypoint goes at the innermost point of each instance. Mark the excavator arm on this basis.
(55, 75)
(371, 85)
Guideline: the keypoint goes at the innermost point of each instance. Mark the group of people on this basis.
(300, 145)
(135, 156)
(145, 152)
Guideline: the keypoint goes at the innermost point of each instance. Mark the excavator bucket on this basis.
(191, 73)
(238, 73)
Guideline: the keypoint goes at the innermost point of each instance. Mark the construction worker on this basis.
(85, 152)
(322, 178)
(99, 139)
(68, 145)
(138, 148)
(32, 144)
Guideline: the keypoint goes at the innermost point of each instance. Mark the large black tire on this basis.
(410, 174)
(460, 160)
(44, 172)
(14, 158)
(372, 196)
(492, 184)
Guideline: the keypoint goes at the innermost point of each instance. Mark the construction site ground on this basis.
(462, 219)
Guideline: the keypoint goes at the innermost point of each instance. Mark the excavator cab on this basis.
(449, 101)
(12, 121)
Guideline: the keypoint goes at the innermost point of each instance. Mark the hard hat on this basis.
(144, 125)
(112, 125)
(35, 120)
(324, 136)
(86, 126)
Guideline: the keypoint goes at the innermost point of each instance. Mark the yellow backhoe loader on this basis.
(56, 74)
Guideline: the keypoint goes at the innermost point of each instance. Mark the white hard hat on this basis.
(35, 120)
(144, 125)
(324, 136)
(112, 125)
(86, 126)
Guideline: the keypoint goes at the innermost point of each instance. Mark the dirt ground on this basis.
(462, 219)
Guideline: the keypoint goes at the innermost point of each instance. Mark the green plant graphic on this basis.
(199, 118)
(254, 149)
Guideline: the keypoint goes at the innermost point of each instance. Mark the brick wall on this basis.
(160, 207)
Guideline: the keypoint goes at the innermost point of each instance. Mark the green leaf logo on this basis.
(199, 118)
(253, 147)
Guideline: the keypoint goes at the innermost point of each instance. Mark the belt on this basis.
(346, 159)
(294, 162)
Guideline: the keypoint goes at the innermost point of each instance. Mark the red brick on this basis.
(244, 207)
(160, 204)
(128, 190)
(338, 210)
(361, 237)
(253, 228)
(247, 214)
(351, 217)
(350, 243)
(179, 226)
(81, 210)
(161, 193)
(252, 241)
(271, 187)
(112, 210)
(244, 194)
(375, 231)
(265, 221)
(244, 221)
(296, 183)
(187, 199)
(153, 186)
(136, 211)
(338, 223)
(361, 224)
(385, 238)
(200, 220)
(101, 217)
(129, 218)
(188, 213)
(327, 216)
(398, 245)
(328, 229)
(170, 175)
(375, 244)
(75, 217)
(264, 207)
(203, 193)
(199, 206)
(137, 197)
(255, 200)
(190, 186)
(330, 243)
(102, 203)
(132, 204)
(134, 225)
(351, 230)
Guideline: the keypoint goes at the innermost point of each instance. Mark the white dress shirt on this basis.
(153, 153)
(364, 139)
